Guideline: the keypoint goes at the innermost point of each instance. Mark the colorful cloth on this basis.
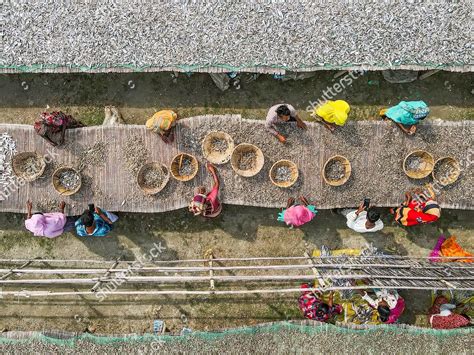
(310, 305)
(48, 225)
(394, 302)
(51, 126)
(272, 118)
(440, 318)
(451, 248)
(333, 112)
(207, 205)
(297, 215)
(408, 113)
(162, 121)
(102, 228)
(417, 212)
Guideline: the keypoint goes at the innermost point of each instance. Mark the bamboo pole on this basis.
(173, 279)
(107, 274)
(384, 257)
(11, 272)
(215, 292)
(191, 269)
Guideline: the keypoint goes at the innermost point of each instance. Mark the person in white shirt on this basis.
(363, 220)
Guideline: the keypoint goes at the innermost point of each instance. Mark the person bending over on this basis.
(282, 113)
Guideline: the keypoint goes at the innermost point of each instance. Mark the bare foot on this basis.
(290, 202)
(304, 200)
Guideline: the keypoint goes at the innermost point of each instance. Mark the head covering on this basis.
(334, 112)
(408, 112)
(297, 215)
(162, 121)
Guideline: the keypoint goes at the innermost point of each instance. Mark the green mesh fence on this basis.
(231, 68)
(68, 339)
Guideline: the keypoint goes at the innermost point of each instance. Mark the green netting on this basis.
(209, 336)
(228, 67)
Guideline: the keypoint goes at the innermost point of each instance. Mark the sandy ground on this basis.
(238, 232)
(139, 95)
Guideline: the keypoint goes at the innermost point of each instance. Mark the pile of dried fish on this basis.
(247, 161)
(335, 170)
(135, 154)
(186, 168)
(219, 145)
(94, 155)
(443, 171)
(153, 178)
(69, 179)
(282, 174)
(7, 150)
(207, 33)
(30, 166)
(414, 163)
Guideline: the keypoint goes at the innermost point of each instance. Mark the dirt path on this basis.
(139, 95)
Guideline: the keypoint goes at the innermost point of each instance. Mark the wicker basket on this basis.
(152, 190)
(28, 174)
(215, 156)
(424, 168)
(453, 170)
(239, 152)
(347, 170)
(176, 164)
(292, 167)
(59, 187)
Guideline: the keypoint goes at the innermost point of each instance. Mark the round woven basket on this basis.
(215, 156)
(446, 170)
(28, 173)
(240, 153)
(62, 189)
(177, 162)
(152, 190)
(347, 170)
(293, 169)
(423, 168)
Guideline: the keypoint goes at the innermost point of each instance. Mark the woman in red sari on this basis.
(417, 209)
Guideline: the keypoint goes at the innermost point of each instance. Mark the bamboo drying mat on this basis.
(111, 187)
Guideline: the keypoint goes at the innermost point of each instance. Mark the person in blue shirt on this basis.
(95, 222)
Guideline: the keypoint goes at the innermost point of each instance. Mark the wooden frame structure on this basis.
(228, 276)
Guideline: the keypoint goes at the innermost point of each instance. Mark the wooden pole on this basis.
(215, 292)
(174, 279)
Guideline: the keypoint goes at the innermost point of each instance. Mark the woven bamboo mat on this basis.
(110, 186)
